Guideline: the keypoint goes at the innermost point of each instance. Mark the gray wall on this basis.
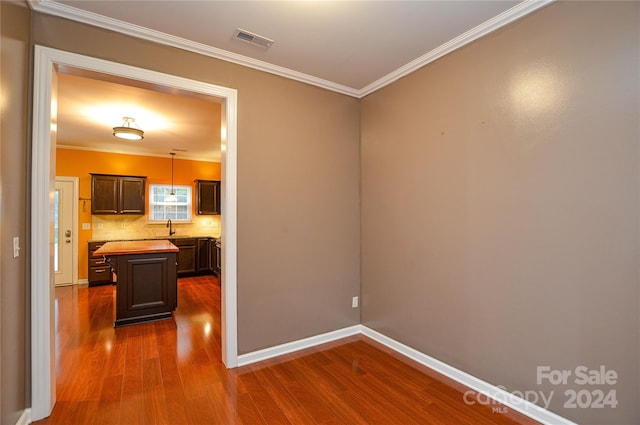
(500, 204)
(298, 183)
(14, 121)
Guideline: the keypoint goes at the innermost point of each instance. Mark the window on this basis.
(160, 210)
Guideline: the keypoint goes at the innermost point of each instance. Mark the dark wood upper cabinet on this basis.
(113, 194)
(208, 197)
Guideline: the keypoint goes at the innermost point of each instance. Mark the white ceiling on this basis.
(352, 47)
(91, 104)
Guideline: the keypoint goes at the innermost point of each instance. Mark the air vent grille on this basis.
(251, 38)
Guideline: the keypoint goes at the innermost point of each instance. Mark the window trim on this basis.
(189, 204)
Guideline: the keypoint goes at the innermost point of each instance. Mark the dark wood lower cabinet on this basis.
(205, 265)
(99, 270)
(195, 256)
(187, 256)
(218, 257)
(147, 287)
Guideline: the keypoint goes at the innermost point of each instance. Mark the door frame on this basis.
(46, 61)
(74, 224)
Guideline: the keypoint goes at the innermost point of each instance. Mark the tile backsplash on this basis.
(121, 227)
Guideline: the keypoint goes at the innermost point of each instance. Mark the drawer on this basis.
(97, 262)
(95, 245)
(184, 242)
(100, 274)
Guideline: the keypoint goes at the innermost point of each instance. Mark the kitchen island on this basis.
(147, 283)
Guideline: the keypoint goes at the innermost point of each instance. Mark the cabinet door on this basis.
(207, 197)
(204, 255)
(104, 194)
(218, 267)
(187, 257)
(132, 195)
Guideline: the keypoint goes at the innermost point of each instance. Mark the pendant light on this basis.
(128, 130)
(172, 196)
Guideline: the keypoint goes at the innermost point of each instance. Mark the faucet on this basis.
(171, 231)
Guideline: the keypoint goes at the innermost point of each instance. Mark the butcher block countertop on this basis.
(135, 247)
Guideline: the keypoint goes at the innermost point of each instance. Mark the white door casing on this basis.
(42, 166)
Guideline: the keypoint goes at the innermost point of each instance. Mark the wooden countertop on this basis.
(135, 247)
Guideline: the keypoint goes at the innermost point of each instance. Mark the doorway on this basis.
(46, 63)
(65, 225)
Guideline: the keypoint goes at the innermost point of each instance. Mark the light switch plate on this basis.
(16, 247)
(86, 226)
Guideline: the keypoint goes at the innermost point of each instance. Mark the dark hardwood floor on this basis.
(170, 372)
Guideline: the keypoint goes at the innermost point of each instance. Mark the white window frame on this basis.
(189, 203)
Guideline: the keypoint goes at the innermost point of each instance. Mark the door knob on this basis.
(68, 241)
(67, 233)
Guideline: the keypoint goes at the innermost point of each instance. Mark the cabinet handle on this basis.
(100, 271)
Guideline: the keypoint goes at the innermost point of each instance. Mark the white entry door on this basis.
(64, 233)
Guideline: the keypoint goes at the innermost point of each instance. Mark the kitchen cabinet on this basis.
(147, 288)
(99, 269)
(194, 256)
(218, 257)
(207, 197)
(115, 194)
(205, 263)
(187, 255)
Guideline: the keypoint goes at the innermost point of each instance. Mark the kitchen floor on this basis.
(170, 372)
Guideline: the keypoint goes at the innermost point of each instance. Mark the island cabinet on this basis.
(208, 197)
(147, 283)
(115, 194)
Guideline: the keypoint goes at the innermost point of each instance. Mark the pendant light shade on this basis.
(172, 196)
(128, 130)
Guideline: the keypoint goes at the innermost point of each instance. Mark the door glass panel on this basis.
(56, 231)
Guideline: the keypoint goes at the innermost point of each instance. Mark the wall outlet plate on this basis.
(354, 302)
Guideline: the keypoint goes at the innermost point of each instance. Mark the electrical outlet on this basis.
(124, 226)
(354, 302)
(86, 226)
(100, 226)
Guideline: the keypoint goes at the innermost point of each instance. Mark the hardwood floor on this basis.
(170, 372)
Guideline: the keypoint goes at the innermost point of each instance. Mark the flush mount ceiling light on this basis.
(172, 196)
(128, 130)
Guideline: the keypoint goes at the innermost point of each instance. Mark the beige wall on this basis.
(298, 182)
(14, 83)
(506, 177)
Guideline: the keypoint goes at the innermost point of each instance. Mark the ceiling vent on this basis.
(251, 38)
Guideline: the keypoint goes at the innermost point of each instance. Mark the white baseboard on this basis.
(507, 399)
(82, 282)
(498, 394)
(290, 347)
(25, 418)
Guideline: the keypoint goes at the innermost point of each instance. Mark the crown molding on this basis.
(499, 21)
(183, 157)
(62, 10)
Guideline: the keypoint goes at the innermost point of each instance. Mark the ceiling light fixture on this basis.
(172, 196)
(128, 131)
